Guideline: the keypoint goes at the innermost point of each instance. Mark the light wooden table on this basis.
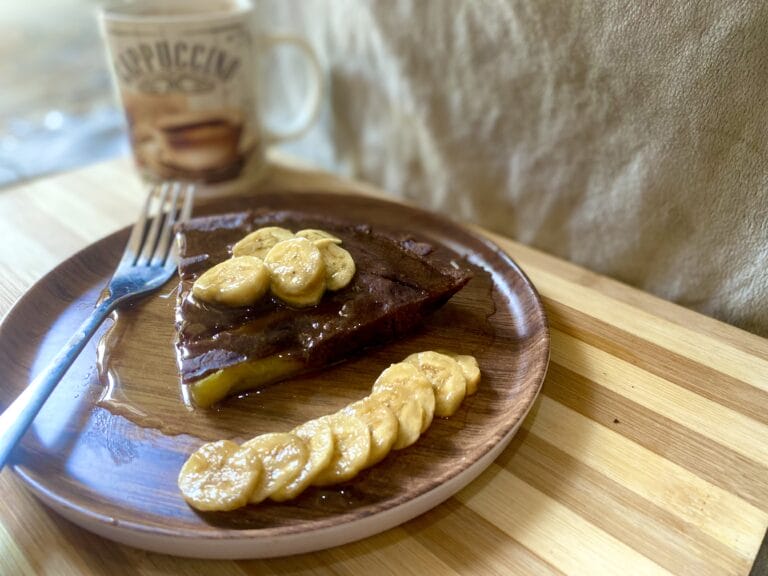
(646, 453)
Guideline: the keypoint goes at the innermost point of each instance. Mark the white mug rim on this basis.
(133, 15)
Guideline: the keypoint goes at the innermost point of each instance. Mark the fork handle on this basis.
(15, 420)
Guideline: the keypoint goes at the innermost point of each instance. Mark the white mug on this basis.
(187, 76)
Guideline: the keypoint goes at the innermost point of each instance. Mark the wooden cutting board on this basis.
(646, 453)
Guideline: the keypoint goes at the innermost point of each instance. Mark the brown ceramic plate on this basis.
(107, 447)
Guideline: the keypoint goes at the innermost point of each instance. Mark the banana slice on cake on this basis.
(283, 456)
(382, 423)
(339, 266)
(446, 377)
(318, 237)
(352, 447)
(220, 476)
(260, 241)
(318, 436)
(298, 272)
(235, 282)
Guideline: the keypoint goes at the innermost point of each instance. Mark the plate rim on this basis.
(246, 545)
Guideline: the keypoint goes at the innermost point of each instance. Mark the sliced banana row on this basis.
(297, 268)
(331, 449)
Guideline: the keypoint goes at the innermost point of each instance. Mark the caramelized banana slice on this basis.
(353, 445)
(382, 423)
(260, 241)
(283, 456)
(311, 298)
(235, 282)
(298, 272)
(339, 266)
(446, 377)
(318, 237)
(409, 379)
(471, 370)
(318, 437)
(220, 476)
(407, 410)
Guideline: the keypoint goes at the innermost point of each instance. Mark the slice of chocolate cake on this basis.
(223, 350)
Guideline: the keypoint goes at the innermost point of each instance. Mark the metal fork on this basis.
(149, 260)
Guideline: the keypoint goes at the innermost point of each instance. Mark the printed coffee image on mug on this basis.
(187, 76)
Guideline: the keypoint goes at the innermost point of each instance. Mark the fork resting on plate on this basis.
(149, 260)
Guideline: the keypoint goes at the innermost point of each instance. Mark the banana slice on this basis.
(235, 282)
(405, 377)
(297, 270)
(471, 369)
(351, 451)
(318, 237)
(283, 456)
(260, 241)
(382, 423)
(339, 266)
(303, 301)
(446, 377)
(407, 410)
(318, 437)
(220, 476)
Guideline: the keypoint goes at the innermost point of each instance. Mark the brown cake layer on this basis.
(399, 281)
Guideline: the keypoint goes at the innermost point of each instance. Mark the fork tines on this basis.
(151, 242)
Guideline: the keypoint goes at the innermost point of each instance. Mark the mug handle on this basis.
(311, 108)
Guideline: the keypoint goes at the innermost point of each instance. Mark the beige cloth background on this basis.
(626, 137)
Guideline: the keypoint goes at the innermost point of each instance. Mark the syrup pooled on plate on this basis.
(138, 369)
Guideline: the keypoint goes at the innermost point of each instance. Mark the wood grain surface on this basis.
(646, 453)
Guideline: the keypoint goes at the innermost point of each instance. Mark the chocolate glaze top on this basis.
(400, 279)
